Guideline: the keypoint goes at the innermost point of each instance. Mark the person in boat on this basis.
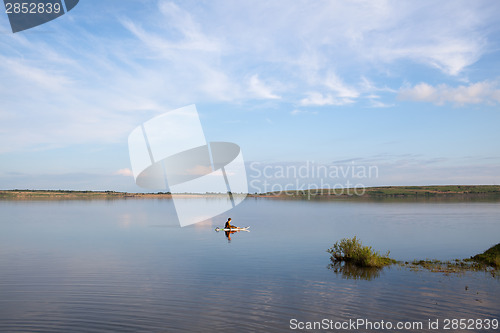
(228, 225)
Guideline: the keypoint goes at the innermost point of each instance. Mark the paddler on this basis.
(228, 225)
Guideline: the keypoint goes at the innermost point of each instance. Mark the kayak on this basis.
(233, 229)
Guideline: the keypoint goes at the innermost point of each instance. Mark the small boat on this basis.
(233, 229)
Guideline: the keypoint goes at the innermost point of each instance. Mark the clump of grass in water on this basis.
(490, 257)
(488, 261)
(353, 252)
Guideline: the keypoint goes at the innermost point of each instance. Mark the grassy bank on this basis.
(445, 192)
(68, 195)
(398, 192)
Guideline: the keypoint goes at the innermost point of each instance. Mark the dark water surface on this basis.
(126, 265)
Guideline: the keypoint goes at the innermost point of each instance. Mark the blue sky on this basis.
(412, 87)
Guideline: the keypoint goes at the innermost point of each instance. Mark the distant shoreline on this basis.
(457, 192)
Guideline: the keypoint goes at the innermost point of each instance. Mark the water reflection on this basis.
(228, 235)
(353, 272)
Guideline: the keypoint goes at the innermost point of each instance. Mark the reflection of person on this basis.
(228, 234)
(228, 225)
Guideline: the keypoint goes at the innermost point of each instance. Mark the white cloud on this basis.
(191, 30)
(297, 112)
(316, 98)
(61, 104)
(446, 52)
(375, 102)
(190, 59)
(260, 89)
(475, 93)
(319, 99)
(50, 80)
(178, 20)
(368, 86)
(339, 88)
(336, 34)
(447, 36)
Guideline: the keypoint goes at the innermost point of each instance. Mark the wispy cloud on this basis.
(368, 86)
(475, 93)
(296, 112)
(375, 102)
(339, 88)
(446, 36)
(261, 89)
(176, 20)
(319, 99)
(188, 58)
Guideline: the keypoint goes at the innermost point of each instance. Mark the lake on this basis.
(126, 265)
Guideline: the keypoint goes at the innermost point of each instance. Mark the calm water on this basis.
(126, 265)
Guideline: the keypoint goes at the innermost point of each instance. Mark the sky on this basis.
(411, 88)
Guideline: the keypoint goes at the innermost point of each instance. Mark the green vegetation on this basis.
(444, 192)
(76, 195)
(58, 194)
(480, 262)
(490, 257)
(353, 252)
(91, 195)
(438, 266)
(438, 192)
(433, 190)
(355, 261)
